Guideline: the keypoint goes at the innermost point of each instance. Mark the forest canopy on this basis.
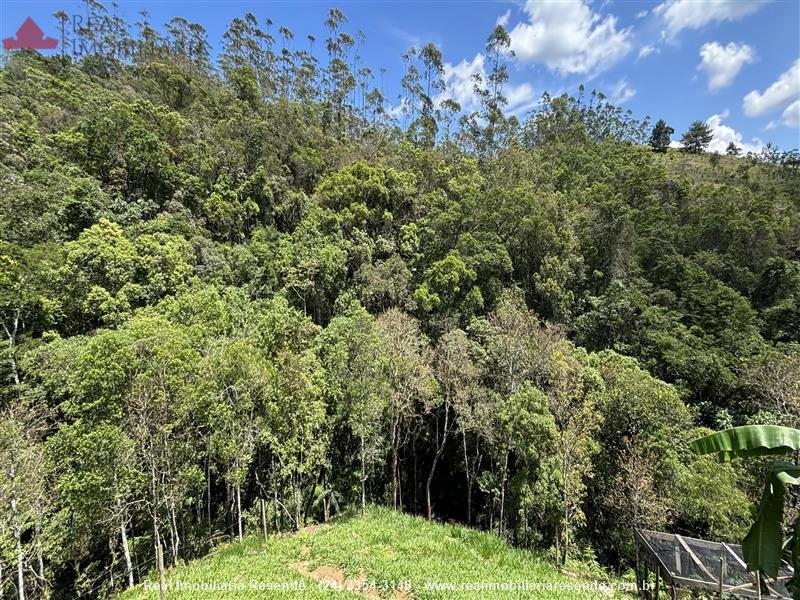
(243, 293)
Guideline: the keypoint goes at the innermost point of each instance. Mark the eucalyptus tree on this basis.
(487, 128)
(294, 427)
(24, 493)
(423, 85)
(27, 305)
(287, 70)
(338, 80)
(512, 355)
(410, 381)
(159, 415)
(239, 376)
(458, 376)
(573, 386)
(306, 73)
(96, 477)
(242, 45)
(353, 354)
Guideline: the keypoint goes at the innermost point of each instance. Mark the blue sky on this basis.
(733, 63)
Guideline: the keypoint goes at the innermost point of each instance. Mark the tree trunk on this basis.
(263, 505)
(176, 539)
(40, 560)
(436, 457)
(208, 495)
(395, 466)
(11, 334)
(17, 538)
(363, 477)
(399, 485)
(558, 545)
(275, 508)
(126, 550)
(309, 501)
(154, 500)
(298, 500)
(428, 486)
(564, 475)
(468, 473)
(501, 524)
(239, 511)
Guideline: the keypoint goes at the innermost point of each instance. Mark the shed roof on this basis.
(694, 563)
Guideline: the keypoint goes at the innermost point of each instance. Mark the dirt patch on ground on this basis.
(334, 578)
(312, 529)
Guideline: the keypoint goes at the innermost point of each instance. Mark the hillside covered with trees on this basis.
(244, 294)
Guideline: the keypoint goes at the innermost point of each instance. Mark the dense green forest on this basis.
(244, 293)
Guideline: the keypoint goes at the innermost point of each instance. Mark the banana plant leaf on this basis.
(763, 545)
(749, 440)
(786, 472)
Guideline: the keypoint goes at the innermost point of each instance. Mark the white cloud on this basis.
(724, 135)
(692, 14)
(641, 14)
(520, 97)
(397, 111)
(645, 51)
(621, 92)
(791, 116)
(568, 37)
(460, 80)
(503, 19)
(785, 90)
(723, 63)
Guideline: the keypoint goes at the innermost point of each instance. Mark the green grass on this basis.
(391, 553)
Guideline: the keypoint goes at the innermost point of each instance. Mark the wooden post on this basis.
(162, 584)
(721, 575)
(263, 504)
(758, 585)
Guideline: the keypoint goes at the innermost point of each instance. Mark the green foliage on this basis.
(763, 546)
(255, 287)
(697, 138)
(660, 136)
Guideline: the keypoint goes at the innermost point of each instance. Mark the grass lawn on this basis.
(380, 555)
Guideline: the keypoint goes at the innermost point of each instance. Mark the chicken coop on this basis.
(667, 562)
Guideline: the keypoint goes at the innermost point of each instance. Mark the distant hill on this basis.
(740, 171)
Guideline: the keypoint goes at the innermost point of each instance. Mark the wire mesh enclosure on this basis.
(684, 562)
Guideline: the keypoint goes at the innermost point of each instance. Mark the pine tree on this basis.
(733, 149)
(697, 138)
(660, 137)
